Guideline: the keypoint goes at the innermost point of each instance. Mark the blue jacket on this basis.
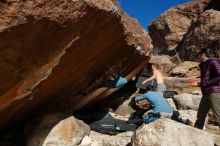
(157, 102)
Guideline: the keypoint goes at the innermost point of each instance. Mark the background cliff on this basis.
(187, 28)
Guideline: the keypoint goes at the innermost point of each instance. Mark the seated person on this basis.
(158, 108)
(157, 76)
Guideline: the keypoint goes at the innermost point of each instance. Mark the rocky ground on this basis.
(164, 132)
(65, 130)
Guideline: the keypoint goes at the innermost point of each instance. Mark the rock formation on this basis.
(187, 28)
(165, 132)
(69, 131)
(164, 63)
(38, 129)
(97, 139)
(169, 28)
(58, 130)
(180, 85)
(204, 32)
(188, 101)
(57, 52)
(186, 69)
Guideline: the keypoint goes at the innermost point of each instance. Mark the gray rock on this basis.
(69, 132)
(97, 139)
(57, 130)
(39, 129)
(179, 85)
(166, 132)
(168, 29)
(215, 133)
(187, 101)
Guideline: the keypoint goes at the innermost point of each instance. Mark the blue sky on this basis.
(147, 10)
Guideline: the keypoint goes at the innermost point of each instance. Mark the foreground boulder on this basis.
(70, 131)
(37, 130)
(217, 139)
(59, 131)
(166, 132)
(55, 52)
(97, 139)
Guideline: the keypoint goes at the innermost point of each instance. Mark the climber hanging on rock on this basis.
(116, 79)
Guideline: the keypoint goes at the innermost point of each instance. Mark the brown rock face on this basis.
(187, 28)
(186, 69)
(205, 32)
(169, 28)
(51, 51)
(179, 85)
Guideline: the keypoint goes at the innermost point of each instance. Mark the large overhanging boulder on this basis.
(52, 51)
